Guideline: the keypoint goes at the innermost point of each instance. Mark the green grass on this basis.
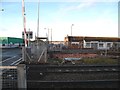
(89, 60)
(52, 60)
(100, 61)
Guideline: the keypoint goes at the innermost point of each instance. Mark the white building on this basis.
(100, 43)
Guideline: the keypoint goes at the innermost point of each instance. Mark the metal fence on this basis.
(37, 52)
(8, 76)
(12, 77)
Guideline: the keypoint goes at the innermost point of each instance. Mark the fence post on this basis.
(45, 54)
(23, 54)
(0, 69)
(21, 73)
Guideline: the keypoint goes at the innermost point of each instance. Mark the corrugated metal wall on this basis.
(11, 40)
(15, 40)
(3, 40)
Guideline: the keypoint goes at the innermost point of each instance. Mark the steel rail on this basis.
(76, 72)
(64, 66)
(74, 84)
(114, 80)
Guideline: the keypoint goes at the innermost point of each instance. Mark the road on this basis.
(11, 56)
(8, 58)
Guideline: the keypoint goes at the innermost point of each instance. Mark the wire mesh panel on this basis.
(9, 77)
(38, 51)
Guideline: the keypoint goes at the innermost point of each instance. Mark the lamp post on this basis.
(51, 35)
(47, 34)
(38, 20)
(71, 28)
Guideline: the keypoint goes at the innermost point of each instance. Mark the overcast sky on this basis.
(90, 18)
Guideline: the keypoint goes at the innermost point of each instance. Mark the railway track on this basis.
(73, 68)
(81, 76)
(74, 84)
(66, 76)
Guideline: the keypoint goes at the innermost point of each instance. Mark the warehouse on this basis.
(11, 42)
(91, 42)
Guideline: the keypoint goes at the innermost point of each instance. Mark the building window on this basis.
(87, 44)
(108, 44)
(101, 45)
(94, 45)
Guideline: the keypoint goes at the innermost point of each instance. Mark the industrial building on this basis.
(11, 42)
(91, 42)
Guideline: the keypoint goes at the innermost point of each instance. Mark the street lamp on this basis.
(47, 34)
(38, 20)
(71, 28)
(51, 35)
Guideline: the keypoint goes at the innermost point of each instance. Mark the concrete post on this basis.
(45, 54)
(28, 54)
(23, 54)
(21, 74)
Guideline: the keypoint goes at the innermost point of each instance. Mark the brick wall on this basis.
(61, 56)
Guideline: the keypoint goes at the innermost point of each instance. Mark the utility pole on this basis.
(38, 20)
(48, 35)
(51, 35)
(38, 27)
